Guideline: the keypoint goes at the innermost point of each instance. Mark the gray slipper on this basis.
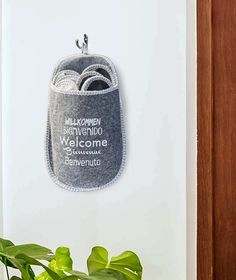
(85, 140)
(101, 69)
(96, 83)
(84, 76)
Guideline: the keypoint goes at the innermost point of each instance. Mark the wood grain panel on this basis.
(224, 40)
(216, 139)
(205, 141)
(224, 35)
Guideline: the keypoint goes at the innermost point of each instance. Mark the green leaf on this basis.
(30, 271)
(21, 265)
(32, 261)
(4, 243)
(15, 278)
(63, 259)
(60, 264)
(24, 273)
(127, 263)
(106, 274)
(97, 260)
(31, 250)
(6, 261)
(77, 273)
(9, 252)
(43, 276)
(71, 278)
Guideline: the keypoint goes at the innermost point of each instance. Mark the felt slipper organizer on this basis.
(85, 141)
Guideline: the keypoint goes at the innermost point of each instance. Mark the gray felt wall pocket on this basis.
(85, 140)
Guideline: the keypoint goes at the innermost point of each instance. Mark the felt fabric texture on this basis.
(85, 142)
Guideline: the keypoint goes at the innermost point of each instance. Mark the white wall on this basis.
(1, 198)
(191, 145)
(145, 210)
(1, 209)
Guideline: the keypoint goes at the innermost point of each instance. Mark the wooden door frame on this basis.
(205, 190)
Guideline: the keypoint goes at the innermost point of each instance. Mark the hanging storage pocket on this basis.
(85, 140)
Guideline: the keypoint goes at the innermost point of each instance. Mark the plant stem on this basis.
(8, 277)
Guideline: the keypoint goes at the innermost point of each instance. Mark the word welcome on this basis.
(81, 143)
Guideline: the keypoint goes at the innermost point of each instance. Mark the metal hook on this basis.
(86, 39)
(84, 46)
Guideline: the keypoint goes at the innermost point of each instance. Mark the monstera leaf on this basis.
(16, 256)
(125, 266)
(4, 243)
(127, 263)
(31, 250)
(32, 261)
(60, 264)
(63, 259)
(106, 274)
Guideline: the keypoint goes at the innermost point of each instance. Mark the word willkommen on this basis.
(83, 122)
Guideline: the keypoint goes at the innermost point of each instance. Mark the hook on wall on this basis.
(84, 47)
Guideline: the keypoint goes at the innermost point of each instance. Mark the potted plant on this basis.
(59, 266)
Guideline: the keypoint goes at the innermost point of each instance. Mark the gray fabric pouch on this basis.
(85, 140)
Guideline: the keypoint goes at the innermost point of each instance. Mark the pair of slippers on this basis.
(85, 142)
(94, 77)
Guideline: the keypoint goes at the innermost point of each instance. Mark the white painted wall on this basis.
(191, 144)
(1, 209)
(1, 198)
(145, 210)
